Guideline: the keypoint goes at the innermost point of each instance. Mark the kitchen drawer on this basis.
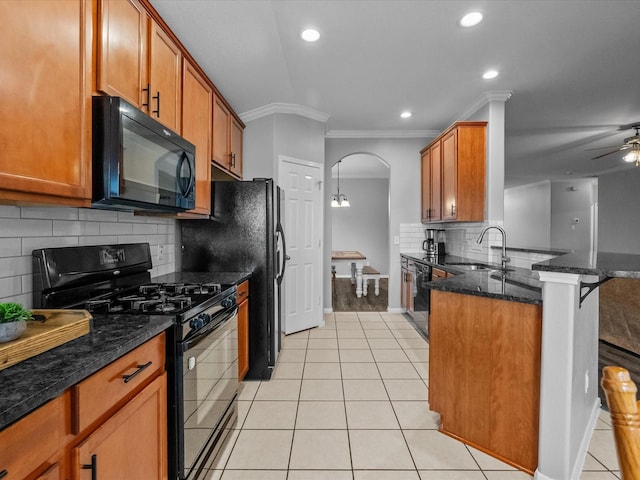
(437, 273)
(30, 442)
(119, 380)
(243, 291)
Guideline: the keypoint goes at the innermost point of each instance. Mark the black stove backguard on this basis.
(65, 275)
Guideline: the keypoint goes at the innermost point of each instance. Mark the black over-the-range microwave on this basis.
(138, 163)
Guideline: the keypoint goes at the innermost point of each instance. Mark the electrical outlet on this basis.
(396, 239)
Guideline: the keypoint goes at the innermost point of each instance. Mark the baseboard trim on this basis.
(328, 310)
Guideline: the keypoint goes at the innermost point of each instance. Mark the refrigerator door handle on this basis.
(285, 257)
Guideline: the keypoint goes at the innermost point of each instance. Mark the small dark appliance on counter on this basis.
(245, 234)
(202, 349)
(138, 163)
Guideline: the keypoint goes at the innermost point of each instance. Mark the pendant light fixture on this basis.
(339, 199)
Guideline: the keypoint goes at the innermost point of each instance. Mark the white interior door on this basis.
(302, 185)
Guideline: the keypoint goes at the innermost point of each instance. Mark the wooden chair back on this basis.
(625, 419)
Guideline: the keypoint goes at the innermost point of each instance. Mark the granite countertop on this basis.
(603, 264)
(516, 285)
(33, 382)
(543, 250)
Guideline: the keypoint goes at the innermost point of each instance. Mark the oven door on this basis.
(209, 377)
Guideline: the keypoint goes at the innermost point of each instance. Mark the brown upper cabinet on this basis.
(454, 189)
(227, 139)
(138, 61)
(46, 102)
(197, 104)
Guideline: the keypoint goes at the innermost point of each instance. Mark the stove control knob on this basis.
(204, 318)
(196, 323)
(228, 302)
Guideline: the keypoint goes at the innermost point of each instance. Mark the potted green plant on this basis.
(13, 321)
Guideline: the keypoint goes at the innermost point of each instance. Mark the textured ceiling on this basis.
(572, 65)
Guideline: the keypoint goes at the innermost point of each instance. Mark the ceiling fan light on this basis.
(632, 156)
(344, 202)
(334, 201)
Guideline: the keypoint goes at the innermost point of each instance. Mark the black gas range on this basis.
(202, 352)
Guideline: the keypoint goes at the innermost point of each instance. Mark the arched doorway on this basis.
(362, 227)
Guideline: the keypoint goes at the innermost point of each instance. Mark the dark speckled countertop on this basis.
(517, 285)
(603, 264)
(33, 382)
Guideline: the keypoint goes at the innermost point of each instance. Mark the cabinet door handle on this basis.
(3, 473)
(428, 214)
(157, 98)
(453, 209)
(93, 466)
(148, 92)
(232, 159)
(128, 378)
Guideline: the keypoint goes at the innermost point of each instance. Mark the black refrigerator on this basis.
(245, 233)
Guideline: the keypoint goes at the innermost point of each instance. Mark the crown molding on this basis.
(289, 108)
(488, 97)
(382, 134)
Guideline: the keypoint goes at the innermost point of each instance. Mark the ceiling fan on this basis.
(632, 143)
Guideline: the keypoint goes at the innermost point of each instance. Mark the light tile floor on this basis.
(348, 402)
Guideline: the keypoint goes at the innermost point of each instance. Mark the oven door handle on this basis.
(190, 342)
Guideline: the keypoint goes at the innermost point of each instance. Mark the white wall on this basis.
(403, 158)
(618, 217)
(527, 215)
(364, 226)
(29, 228)
(571, 200)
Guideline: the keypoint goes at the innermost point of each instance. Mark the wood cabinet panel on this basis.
(52, 473)
(30, 442)
(165, 66)
(106, 389)
(46, 101)
(130, 444)
(425, 185)
(123, 27)
(197, 104)
(236, 148)
(221, 144)
(456, 177)
(484, 373)
(243, 329)
(449, 175)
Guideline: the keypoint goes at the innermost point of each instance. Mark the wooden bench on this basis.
(368, 273)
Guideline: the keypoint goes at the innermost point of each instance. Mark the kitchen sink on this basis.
(480, 267)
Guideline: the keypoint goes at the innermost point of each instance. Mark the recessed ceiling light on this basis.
(490, 74)
(406, 114)
(471, 19)
(310, 35)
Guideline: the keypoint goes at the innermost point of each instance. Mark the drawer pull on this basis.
(128, 378)
(3, 473)
(93, 466)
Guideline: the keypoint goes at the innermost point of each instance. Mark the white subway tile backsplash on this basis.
(10, 247)
(9, 287)
(50, 213)
(7, 211)
(95, 215)
(24, 229)
(16, 227)
(30, 244)
(14, 266)
(76, 228)
(115, 228)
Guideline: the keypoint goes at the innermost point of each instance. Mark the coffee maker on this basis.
(429, 245)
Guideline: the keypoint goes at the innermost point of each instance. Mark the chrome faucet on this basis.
(505, 259)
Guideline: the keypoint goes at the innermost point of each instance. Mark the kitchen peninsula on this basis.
(556, 339)
(484, 359)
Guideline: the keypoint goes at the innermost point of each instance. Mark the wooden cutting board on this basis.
(60, 326)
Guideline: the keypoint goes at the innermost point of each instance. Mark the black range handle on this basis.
(93, 466)
(128, 378)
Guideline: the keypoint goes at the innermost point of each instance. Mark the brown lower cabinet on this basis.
(97, 428)
(484, 374)
(243, 330)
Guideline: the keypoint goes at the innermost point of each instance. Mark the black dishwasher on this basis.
(421, 298)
